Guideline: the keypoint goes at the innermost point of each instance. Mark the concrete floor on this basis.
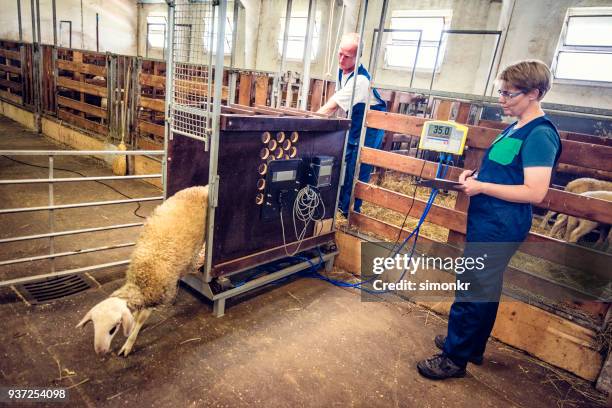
(302, 343)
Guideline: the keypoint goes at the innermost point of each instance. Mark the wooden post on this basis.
(244, 89)
(316, 95)
(261, 90)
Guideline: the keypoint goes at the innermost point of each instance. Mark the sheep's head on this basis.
(106, 317)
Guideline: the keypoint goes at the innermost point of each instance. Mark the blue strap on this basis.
(362, 71)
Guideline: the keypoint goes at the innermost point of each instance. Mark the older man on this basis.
(347, 55)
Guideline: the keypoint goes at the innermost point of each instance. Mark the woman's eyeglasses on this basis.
(509, 95)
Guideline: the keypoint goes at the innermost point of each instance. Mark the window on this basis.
(156, 32)
(65, 33)
(229, 28)
(296, 40)
(402, 46)
(585, 47)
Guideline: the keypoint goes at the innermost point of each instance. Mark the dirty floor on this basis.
(303, 343)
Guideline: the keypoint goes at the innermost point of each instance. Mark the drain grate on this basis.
(53, 288)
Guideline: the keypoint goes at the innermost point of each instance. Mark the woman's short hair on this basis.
(528, 75)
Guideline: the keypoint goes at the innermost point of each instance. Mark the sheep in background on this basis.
(169, 246)
(576, 228)
(577, 186)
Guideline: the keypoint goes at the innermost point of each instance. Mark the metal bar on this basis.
(416, 58)
(276, 90)
(433, 71)
(77, 179)
(233, 76)
(363, 10)
(71, 232)
(20, 281)
(484, 92)
(169, 95)
(97, 32)
(79, 205)
(54, 11)
(305, 88)
(62, 254)
(200, 138)
(19, 20)
(51, 215)
(376, 51)
(213, 177)
(79, 152)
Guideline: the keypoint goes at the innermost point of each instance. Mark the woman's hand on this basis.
(469, 185)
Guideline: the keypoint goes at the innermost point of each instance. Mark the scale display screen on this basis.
(443, 136)
(287, 175)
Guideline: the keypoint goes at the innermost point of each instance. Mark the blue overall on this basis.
(496, 228)
(373, 138)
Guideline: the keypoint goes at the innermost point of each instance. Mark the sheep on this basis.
(169, 246)
(578, 227)
(577, 186)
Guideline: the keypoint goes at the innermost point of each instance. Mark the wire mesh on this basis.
(193, 37)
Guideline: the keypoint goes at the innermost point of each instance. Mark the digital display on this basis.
(440, 131)
(325, 171)
(288, 175)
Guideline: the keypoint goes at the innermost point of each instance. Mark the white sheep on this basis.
(577, 186)
(579, 227)
(576, 228)
(169, 246)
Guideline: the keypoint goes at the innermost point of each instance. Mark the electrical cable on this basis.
(306, 203)
(82, 175)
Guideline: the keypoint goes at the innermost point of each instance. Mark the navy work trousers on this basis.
(374, 139)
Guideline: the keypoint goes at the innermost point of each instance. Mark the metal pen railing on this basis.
(51, 180)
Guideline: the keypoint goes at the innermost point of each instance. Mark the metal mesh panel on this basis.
(192, 62)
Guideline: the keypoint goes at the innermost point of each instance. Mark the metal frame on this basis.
(212, 110)
(563, 47)
(51, 180)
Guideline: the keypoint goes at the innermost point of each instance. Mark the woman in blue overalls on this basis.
(515, 173)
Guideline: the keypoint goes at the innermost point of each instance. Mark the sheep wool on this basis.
(166, 249)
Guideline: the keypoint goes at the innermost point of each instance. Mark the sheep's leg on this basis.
(547, 218)
(572, 224)
(140, 318)
(559, 224)
(583, 228)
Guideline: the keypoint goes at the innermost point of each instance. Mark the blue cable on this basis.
(313, 269)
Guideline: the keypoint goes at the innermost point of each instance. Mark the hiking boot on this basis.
(441, 339)
(439, 367)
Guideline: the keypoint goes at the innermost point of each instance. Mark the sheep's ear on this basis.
(127, 321)
(86, 319)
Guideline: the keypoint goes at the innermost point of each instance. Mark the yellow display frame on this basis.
(456, 127)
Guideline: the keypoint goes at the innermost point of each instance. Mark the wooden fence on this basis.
(594, 157)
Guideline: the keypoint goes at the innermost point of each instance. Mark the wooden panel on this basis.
(82, 122)
(197, 88)
(316, 94)
(153, 104)
(447, 217)
(152, 80)
(10, 68)
(82, 87)
(584, 172)
(405, 164)
(244, 89)
(576, 153)
(443, 110)
(16, 55)
(11, 97)
(588, 155)
(82, 106)
(81, 68)
(154, 129)
(261, 90)
(15, 86)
